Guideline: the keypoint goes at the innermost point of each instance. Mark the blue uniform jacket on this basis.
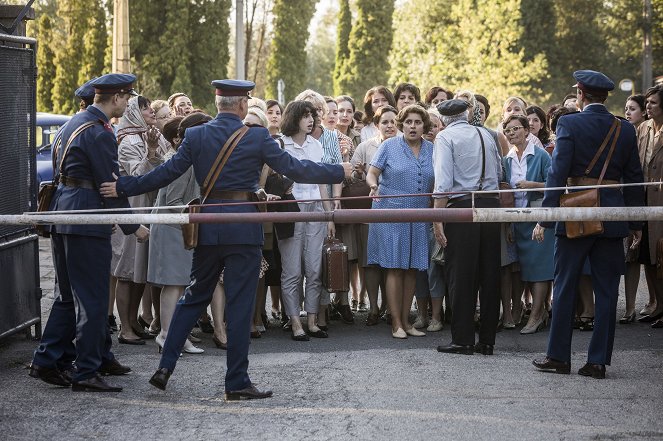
(200, 148)
(579, 136)
(92, 156)
(538, 165)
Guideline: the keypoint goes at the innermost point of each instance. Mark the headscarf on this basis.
(132, 122)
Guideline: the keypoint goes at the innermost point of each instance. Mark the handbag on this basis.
(355, 187)
(659, 259)
(437, 256)
(507, 199)
(590, 198)
(47, 189)
(190, 230)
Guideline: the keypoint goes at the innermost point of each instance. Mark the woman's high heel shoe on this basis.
(219, 344)
(534, 327)
(189, 348)
(627, 318)
(159, 340)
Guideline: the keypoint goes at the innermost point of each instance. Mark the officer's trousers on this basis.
(606, 258)
(80, 312)
(242, 266)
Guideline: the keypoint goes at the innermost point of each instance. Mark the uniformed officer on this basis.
(235, 247)
(82, 253)
(579, 137)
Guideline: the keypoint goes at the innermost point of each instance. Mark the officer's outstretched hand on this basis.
(347, 169)
(142, 234)
(108, 189)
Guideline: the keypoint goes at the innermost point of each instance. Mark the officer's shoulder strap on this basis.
(80, 129)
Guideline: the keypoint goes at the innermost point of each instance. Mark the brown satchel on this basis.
(335, 272)
(47, 189)
(507, 199)
(190, 230)
(590, 198)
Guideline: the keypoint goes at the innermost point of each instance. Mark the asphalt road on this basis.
(358, 384)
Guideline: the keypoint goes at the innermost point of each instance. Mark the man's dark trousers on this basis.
(472, 264)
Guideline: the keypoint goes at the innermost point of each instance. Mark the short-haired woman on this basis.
(180, 104)
(405, 95)
(161, 113)
(169, 264)
(385, 119)
(301, 254)
(375, 98)
(526, 166)
(435, 96)
(345, 125)
(402, 165)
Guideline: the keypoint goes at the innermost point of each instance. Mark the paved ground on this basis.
(358, 384)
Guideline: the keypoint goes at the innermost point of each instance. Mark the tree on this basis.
(45, 63)
(288, 58)
(342, 44)
(257, 44)
(95, 40)
(370, 42)
(320, 59)
(417, 44)
(68, 60)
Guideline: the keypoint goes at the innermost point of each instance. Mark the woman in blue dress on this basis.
(526, 166)
(402, 165)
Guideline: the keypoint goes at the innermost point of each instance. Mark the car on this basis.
(48, 125)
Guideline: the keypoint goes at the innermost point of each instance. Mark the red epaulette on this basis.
(107, 126)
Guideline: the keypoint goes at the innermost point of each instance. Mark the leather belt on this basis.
(231, 195)
(583, 180)
(77, 183)
(468, 197)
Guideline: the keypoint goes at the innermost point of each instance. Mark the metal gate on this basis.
(20, 294)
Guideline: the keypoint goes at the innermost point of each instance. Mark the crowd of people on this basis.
(399, 143)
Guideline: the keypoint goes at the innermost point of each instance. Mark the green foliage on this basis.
(320, 59)
(342, 44)
(46, 64)
(287, 60)
(95, 40)
(68, 59)
(370, 42)
(179, 46)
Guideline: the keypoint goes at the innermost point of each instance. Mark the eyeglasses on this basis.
(511, 130)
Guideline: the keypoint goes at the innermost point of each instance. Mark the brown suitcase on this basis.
(335, 271)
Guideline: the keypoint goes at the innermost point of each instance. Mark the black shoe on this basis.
(112, 323)
(318, 334)
(94, 384)
(206, 326)
(657, 324)
(483, 348)
(113, 367)
(127, 341)
(219, 344)
(592, 370)
(300, 337)
(160, 378)
(249, 393)
(254, 334)
(324, 327)
(68, 372)
(346, 314)
(650, 318)
(334, 313)
(143, 334)
(372, 319)
(552, 365)
(142, 322)
(49, 375)
(456, 349)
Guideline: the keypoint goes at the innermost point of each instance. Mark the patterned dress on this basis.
(401, 245)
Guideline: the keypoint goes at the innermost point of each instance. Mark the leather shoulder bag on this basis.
(590, 198)
(47, 189)
(190, 230)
